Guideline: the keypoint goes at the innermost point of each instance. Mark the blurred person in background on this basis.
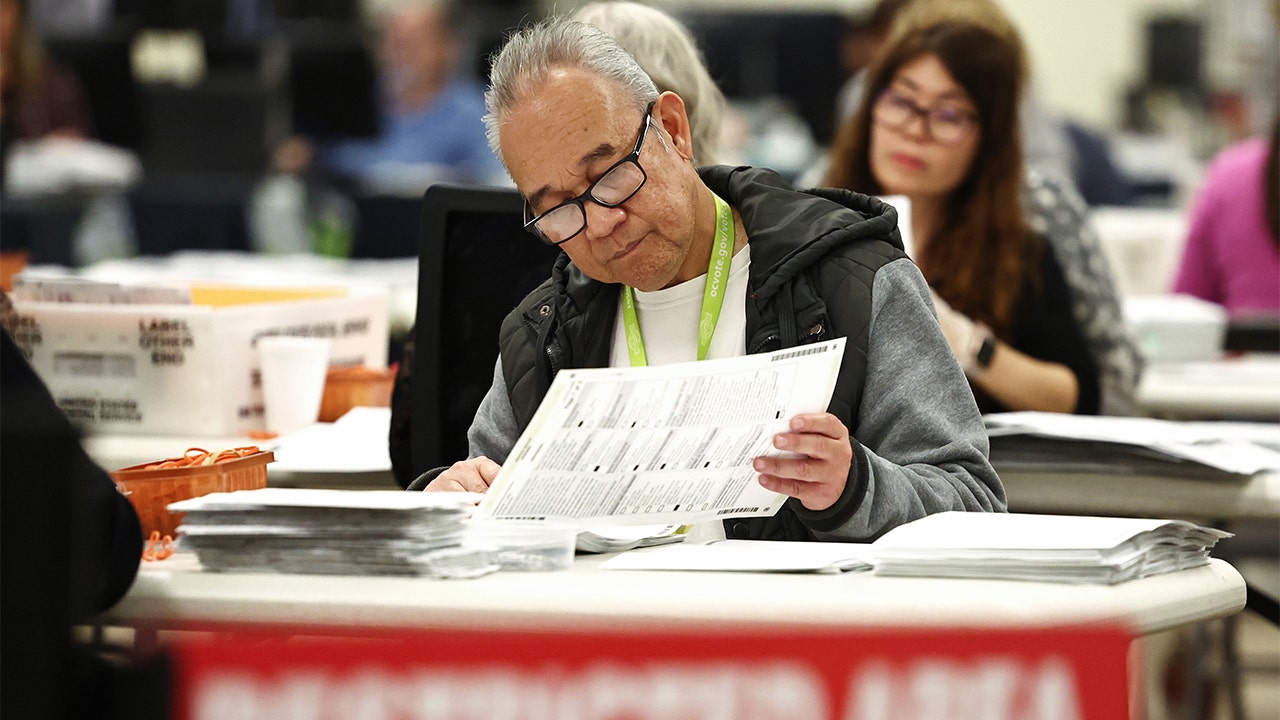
(47, 148)
(1232, 252)
(668, 53)
(431, 125)
(665, 49)
(430, 130)
(864, 37)
(1066, 151)
(939, 124)
(1046, 145)
(38, 98)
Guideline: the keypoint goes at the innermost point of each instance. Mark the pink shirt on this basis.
(1230, 257)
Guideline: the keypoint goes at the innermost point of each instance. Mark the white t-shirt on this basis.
(669, 325)
(669, 320)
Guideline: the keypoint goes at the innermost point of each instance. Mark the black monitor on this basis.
(1254, 332)
(104, 67)
(219, 127)
(333, 82)
(775, 52)
(209, 17)
(387, 226)
(339, 11)
(475, 263)
(1174, 48)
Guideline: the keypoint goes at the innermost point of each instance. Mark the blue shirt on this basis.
(445, 140)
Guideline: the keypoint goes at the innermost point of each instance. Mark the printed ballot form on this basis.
(663, 444)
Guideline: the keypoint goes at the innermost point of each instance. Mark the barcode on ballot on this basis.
(799, 353)
(740, 510)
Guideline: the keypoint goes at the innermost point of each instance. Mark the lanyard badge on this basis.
(712, 296)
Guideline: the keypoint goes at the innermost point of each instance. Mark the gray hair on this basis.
(668, 53)
(533, 52)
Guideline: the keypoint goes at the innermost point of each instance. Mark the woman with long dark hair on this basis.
(939, 124)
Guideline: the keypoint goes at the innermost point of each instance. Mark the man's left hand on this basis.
(818, 476)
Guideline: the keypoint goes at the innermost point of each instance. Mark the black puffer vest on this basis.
(814, 256)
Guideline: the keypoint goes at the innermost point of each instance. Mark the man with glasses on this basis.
(665, 263)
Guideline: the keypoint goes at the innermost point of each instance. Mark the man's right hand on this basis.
(474, 475)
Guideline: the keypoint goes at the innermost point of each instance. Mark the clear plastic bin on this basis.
(524, 545)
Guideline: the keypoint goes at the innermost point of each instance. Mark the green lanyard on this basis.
(712, 296)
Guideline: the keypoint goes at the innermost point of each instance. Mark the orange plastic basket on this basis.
(152, 490)
(348, 387)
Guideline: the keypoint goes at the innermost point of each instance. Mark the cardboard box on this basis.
(187, 369)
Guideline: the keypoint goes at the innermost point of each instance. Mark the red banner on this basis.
(838, 674)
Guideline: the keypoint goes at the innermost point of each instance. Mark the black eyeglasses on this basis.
(944, 123)
(615, 186)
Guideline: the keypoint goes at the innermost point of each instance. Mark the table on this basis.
(1221, 501)
(1125, 495)
(1243, 388)
(177, 594)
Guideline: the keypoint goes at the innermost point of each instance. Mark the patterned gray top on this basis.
(1058, 213)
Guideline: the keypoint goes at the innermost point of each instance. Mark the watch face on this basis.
(985, 352)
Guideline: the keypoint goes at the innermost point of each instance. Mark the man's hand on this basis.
(818, 477)
(474, 475)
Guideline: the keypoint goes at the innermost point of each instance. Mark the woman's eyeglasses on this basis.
(946, 124)
(615, 186)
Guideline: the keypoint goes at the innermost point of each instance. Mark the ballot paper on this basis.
(668, 444)
(1045, 548)
(1003, 546)
(1078, 443)
(332, 532)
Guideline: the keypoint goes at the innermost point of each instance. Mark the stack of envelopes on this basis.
(331, 532)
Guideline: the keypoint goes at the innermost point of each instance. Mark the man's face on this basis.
(561, 138)
(416, 46)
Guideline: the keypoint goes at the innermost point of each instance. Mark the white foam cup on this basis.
(293, 375)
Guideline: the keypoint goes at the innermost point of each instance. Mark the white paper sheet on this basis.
(664, 444)
(993, 533)
(1216, 445)
(356, 442)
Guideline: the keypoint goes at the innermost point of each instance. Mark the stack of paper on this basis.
(332, 532)
(1074, 443)
(1051, 548)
